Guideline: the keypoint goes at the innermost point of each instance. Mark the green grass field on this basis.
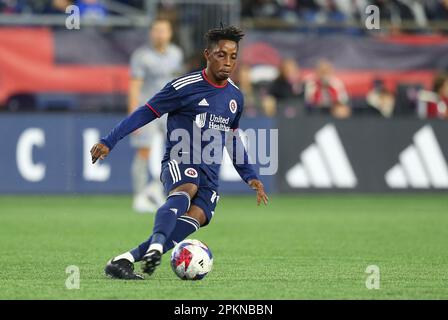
(299, 247)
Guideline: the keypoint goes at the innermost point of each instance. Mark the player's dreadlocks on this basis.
(231, 33)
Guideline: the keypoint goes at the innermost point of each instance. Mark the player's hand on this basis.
(258, 186)
(99, 151)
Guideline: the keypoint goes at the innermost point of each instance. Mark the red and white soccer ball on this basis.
(191, 260)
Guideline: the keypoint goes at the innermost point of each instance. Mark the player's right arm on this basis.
(135, 120)
(165, 101)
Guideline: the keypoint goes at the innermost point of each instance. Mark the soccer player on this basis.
(152, 66)
(203, 101)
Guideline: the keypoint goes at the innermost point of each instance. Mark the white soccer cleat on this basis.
(142, 204)
(155, 192)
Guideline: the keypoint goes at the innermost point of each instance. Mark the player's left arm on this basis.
(132, 122)
(240, 160)
(165, 101)
(242, 164)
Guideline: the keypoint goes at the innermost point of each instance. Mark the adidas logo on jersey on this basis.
(421, 165)
(203, 103)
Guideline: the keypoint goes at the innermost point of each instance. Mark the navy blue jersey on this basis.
(201, 111)
(196, 105)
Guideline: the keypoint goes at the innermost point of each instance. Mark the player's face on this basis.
(221, 59)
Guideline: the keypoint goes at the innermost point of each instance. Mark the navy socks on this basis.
(176, 205)
(185, 226)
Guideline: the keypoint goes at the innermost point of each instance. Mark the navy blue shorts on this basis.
(175, 174)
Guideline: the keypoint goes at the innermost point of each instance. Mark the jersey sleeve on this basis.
(135, 120)
(236, 122)
(234, 143)
(240, 158)
(165, 101)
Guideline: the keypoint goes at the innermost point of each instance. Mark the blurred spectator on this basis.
(22, 6)
(288, 83)
(381, 99)
(307, 5)
(307, 9)
(341, 111)
(322, 11)
(340, 10)
(260, 8)
(354, 9)
(398, 11)
(92, 9)
(9, 6)
(413, 10)
(58, 6)
(317, 11)
(325, 91)
(389, 11)
(138, 4)
(287, 86)
(434, 104)
(327, 11)
(437, 9)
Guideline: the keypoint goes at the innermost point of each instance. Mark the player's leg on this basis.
(182, 181)
(150, 251)
(122, 266)
(201, 212)
(185, 225)
(177, 204)
(199, 215)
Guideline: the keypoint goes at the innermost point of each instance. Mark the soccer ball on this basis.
(191, 260)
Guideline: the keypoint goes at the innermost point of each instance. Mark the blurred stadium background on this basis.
(358, 111)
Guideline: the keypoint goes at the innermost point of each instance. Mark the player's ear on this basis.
(206, 54)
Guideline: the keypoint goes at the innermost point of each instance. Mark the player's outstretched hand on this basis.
(258, 186)
(99, 151)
